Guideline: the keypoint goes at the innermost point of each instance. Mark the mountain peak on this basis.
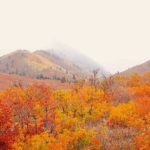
(21, 51)
(50, 64)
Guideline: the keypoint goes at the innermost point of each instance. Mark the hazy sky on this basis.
(116, 33)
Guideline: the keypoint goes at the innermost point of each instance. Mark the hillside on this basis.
(139, 69)
(49, 64)
(7, 81)
(115, 116)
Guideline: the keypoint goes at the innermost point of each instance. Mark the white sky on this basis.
(116, 33)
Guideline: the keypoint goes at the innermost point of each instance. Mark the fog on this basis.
(114, 33)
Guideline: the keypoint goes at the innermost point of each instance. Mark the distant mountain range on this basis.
(57, 64)
(54, 64)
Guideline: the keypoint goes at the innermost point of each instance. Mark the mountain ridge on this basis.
(50, 64)
(141, 69)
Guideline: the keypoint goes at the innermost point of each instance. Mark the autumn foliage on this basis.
(113, 114)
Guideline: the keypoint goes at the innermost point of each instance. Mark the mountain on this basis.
(140, 69)
(55, 64)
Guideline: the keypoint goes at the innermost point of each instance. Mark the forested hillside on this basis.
(113, 114)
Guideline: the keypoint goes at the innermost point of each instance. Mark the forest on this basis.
(111, 114)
